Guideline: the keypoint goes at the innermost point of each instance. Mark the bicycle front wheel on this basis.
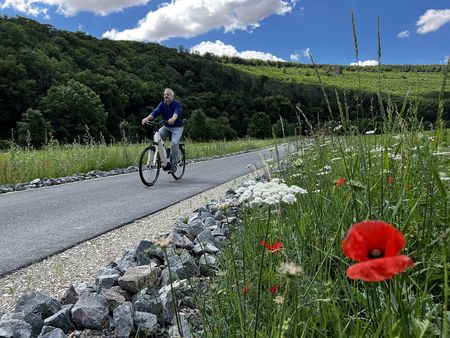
(149, 166)
(181, 164)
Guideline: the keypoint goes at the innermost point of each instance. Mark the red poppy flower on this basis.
(377, 245)
(390, 180)
(275, 247)
(274, 289)
(245, 290)
(340, 181)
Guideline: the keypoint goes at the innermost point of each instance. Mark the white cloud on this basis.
(220, 49)
(432, 20)
(188, 18)
(25, 6)
(365, 63)
(295, 57)
(404, 34)
(71, 7)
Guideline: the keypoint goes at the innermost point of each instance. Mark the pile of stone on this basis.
(45, 182)
(152, 291)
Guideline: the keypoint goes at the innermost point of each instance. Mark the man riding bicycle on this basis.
(171, 112)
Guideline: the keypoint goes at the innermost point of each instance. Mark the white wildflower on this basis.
(291, 269)
(270, 193)
(441, 153)
(338, 127)
(370, 132)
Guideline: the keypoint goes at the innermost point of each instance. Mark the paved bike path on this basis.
(38, 223)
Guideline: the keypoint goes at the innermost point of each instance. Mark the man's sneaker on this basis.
(172, 170)
(167, 167)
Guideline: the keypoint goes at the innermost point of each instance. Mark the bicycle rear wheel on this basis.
(149, 166)
(181, 163)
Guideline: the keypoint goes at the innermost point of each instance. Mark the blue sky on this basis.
(412, 31)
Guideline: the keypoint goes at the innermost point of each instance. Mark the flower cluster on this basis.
(269, 193)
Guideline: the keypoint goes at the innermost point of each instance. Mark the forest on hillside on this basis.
(64, 85)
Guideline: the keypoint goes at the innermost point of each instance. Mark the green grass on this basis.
(401, 178)
(23, 165)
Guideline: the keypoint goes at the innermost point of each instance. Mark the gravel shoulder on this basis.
(80, 263)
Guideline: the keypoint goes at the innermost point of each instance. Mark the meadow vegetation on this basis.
(23, 164)
(284, 272)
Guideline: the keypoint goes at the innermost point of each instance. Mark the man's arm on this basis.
(152, 115)
(172, 120)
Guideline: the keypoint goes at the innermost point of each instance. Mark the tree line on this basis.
(63, 85)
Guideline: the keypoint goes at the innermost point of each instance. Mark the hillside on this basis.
(56, 82)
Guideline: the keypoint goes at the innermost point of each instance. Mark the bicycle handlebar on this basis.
(155, 123)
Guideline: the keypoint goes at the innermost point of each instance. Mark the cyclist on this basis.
(171, 112)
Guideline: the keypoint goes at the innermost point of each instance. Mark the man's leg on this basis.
(164, 133)
(177, 132)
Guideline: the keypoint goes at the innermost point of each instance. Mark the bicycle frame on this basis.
(159, 143)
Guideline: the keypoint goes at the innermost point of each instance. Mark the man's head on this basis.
(168, 95)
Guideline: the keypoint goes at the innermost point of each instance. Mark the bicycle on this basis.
(157, 156)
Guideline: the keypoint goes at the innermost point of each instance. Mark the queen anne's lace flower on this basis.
(270, 193)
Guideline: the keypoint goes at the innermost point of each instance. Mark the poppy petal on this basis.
(380, 269)
(276, 246)
(363, 237)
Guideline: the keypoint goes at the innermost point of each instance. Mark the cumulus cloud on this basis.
(220, 49)
(404, 34)
(188, 18)
(295, 57)
(365, 63)
(25, 6)
(432, 20)
(71, 7)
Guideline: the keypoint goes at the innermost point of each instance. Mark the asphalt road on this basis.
(38, 223)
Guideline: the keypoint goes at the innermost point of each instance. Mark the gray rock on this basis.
(70, 296)
(208, 264)
(220, 241)
(174, 332)
(46, 329)
(12, 328)
(83, 288)
(37, 303)
(191, 230)
(167, 300)
(135, 279)
(185, 243)
(146, 301)
(205, 236)
(165, 280)
(184, 265)
(54, 333)
(114, 298)
(143, 246)
(201, 248)
(62, 319)
(106, 278)
(129, 260)
(91, 311)
(145, 322)
(210, 222)
(123, 320)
